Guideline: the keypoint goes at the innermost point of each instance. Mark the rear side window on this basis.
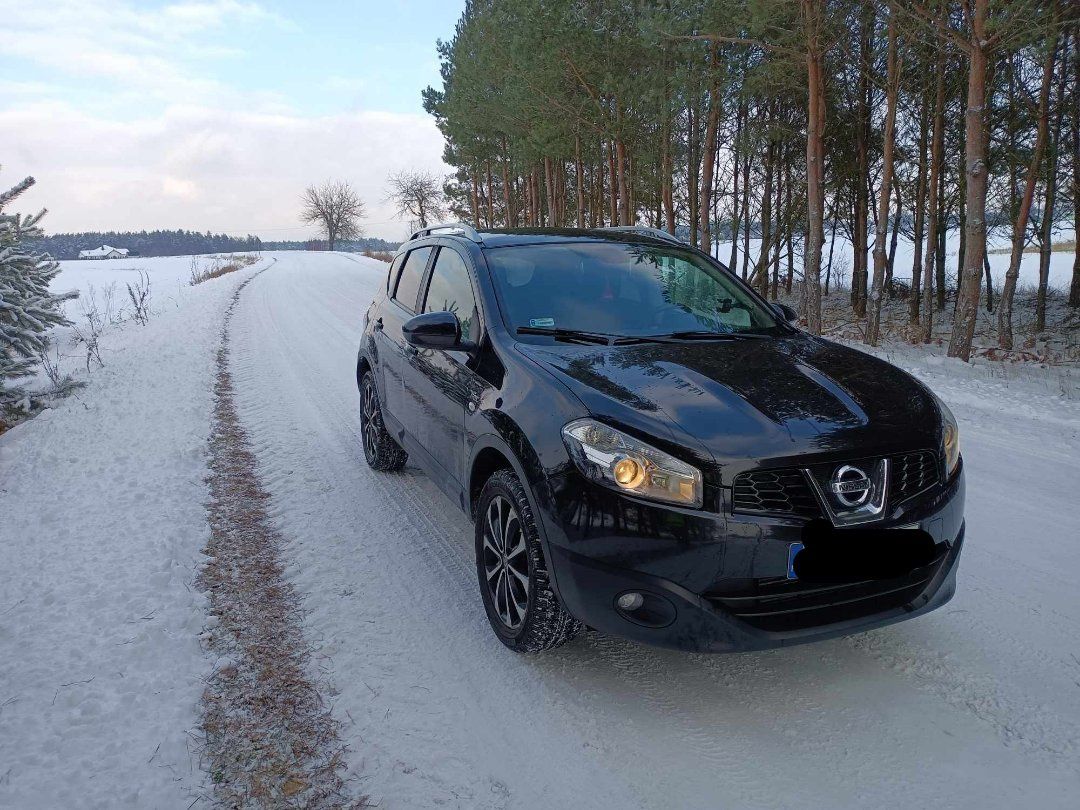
(451, 291)
(412, 273)
(395, 268)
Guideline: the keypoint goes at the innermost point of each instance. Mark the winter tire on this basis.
(521, 606)
(380, 449)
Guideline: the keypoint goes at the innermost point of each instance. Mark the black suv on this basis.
(650, 449)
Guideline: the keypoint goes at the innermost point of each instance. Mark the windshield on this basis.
(621, 289)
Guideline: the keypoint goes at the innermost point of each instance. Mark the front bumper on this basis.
(716, 583)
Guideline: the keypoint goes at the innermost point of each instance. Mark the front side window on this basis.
(451, 291)
(621, 289)
(412, 274)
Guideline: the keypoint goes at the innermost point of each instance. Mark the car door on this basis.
(438, 382)
(404, 295)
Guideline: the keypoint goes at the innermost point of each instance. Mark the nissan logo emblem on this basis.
(850, 486)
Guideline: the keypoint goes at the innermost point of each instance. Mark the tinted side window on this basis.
(451, 291)
(395, 268)
(412, 274)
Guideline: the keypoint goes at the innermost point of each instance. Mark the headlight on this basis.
(623, 463)
(950, 438)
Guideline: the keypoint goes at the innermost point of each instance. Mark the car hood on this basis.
(754, 400)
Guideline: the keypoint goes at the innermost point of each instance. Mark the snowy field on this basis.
(169, 277)
(976, 705)
(1061, 262)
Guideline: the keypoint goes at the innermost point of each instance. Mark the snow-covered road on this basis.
(977, 705)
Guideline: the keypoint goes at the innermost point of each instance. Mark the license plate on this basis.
(792, 552)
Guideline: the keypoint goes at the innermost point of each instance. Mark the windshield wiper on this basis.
(570, 335)
(680, 337)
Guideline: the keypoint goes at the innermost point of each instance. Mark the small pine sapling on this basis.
(27, 309)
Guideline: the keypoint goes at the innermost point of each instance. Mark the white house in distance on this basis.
(104, 252)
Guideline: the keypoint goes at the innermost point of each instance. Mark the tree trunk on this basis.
(667, 197)
(789, 218)
(920, 201)
(579, 175)
(709, 156)
(490, 196)
(989, 285)
(624, 183)
(937, 154)
(1020, 224)
(778, 239)
(862, 164)
(613, 182)
(747, 223)
(734, 259)
(812, 12)
(475, 201)
(760, 277)
(511, 221)
(538, 209)
(692, 167)
(873, 324)
(894, 236)
(1074, 287)
(976, 178)
(1046, 240)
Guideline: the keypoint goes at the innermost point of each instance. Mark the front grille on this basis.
(911, 474)
(774, 492)
(781, 605)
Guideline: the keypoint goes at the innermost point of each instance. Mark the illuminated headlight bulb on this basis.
(628, 472)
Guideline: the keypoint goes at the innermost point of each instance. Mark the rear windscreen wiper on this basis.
(571, 335)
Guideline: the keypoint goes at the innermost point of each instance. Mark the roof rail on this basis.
(642, 230)
(468, 230)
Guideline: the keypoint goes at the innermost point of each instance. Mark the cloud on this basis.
(206, 168)
(159, 53)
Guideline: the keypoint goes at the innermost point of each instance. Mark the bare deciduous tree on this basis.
(336, 208)
(417, 195)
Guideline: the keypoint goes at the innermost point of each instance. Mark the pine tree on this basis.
(27, 309)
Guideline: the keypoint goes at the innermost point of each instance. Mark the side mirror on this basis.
(786, 312)
(433, 330)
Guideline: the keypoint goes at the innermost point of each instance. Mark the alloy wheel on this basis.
(369, 420)
(506, 563)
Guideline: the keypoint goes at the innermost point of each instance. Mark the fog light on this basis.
(630, 601)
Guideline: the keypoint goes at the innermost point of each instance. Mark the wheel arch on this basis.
(492, 452)
(363, 365)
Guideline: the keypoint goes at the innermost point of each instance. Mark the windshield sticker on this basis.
(541, 322)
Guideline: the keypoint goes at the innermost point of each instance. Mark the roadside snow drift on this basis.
(101, 523)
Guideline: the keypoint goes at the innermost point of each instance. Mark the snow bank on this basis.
(102, 524)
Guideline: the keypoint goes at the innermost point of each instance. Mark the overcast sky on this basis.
(214, 114)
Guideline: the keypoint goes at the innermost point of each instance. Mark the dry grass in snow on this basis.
(270, 737)
(219, 266)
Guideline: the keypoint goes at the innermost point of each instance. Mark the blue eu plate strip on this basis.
(792, 551)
